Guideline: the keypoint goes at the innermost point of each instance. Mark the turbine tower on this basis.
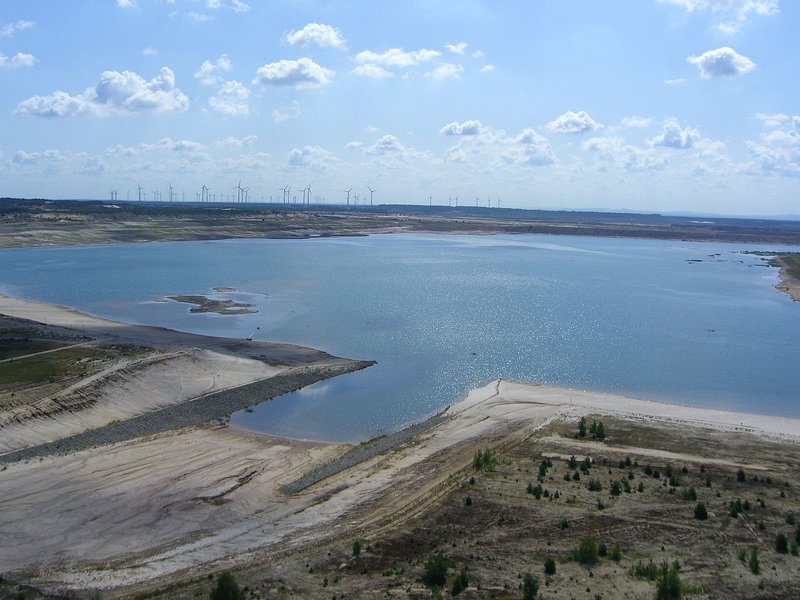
(239, 189)
(171, 193)
(139, 191)
(371, 191)
(348, 195)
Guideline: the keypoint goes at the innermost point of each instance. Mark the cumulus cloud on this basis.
(396, 57)
(231, 100)
(722, 62)
(372, 71)
(614, 151)
(388, 144)
(487, 68)
(737, 10)
(299, 74)
(234, 142)
(673, 136)
(18, 60)
(24, 158)
(311, 157)
(322, 35)
(149, 51)
(284, 114)
(530, 148)
(209, 72)
(466, 128)
(12, 28)
(636, 122)
(456, 48)
(779, 150)
(117, 93)
(571, 122)
(446, 70)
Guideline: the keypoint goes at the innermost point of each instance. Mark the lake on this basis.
(684, 322)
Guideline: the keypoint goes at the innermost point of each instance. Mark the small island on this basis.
(204, 304)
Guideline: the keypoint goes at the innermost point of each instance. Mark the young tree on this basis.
(549, 566)
(226, 588)
(461, 583)
(782, 543)
(356, 548)
(700, 512)
(755, 567)
(582, 427)
(530, 587)
(436, 571)
(668, 583)
(587, 553)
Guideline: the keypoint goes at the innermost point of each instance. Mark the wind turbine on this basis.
(308, 190)
(246, 193)
(371, 191)
(477, 201)
(203, 193)
(348, 195)
(430, 200)
(239, 189)
(139, 191)
(171, 193)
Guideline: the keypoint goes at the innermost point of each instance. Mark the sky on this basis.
(643, 105)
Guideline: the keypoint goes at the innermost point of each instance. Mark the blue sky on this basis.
(646, 105)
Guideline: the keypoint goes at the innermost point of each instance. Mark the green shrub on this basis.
(530, 587)
(740, 476)
(700, 512)
(436, 570)
(755, 567)
(484, 460)
(226, 588)
(668, 583)
(782, 543)
(595, 485)
(549, 566)
(587, 553)
(356, 548)
(460, 584)
(616, 553)
(690, 494)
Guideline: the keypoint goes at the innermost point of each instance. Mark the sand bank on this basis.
(196, 499)
(175, 370)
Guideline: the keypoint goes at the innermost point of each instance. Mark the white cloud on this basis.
(477, 54)
(396, 57)
(299, 74)
(149, 51)
(446, 70)
(679, 81)
(23, 158)
(233, 142)
(124, 3)
(779, 150)
(353, 145)
(322, 35)
(636, 122)
(209, 72)
(388, 144)
(372, 71)
(672, 136)
(614, 151)
(231, 100)
(722, 62)
(571, 122)
(473, 127)
(773, 121)
(123, 93)
(487, 68)
(530, 148)
(457, 48)
(18, 60)
(739, 10)
(311, 157)
(239, 6)
(284, 114)
(198, 16)
(12, 28)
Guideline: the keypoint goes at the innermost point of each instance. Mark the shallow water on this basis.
(690, 323)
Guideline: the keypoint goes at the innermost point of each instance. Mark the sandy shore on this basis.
(194, 500)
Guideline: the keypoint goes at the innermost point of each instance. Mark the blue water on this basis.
(442, 314)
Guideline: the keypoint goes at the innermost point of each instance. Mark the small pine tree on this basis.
(582, 427)
(226, 588)
(700, 512)
(530, 587)
(755, 567)
(782, 543)
(356, 548)
(740, 476)
(436, 571)
(616, 553)
(587, 552)
(460, 583)
(549, 566)
(668, 583)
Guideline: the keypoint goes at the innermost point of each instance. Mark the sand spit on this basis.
(191, 500)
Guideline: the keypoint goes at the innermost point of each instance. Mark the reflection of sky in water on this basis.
(442, 314)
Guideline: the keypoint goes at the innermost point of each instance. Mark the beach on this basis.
(172, 506)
